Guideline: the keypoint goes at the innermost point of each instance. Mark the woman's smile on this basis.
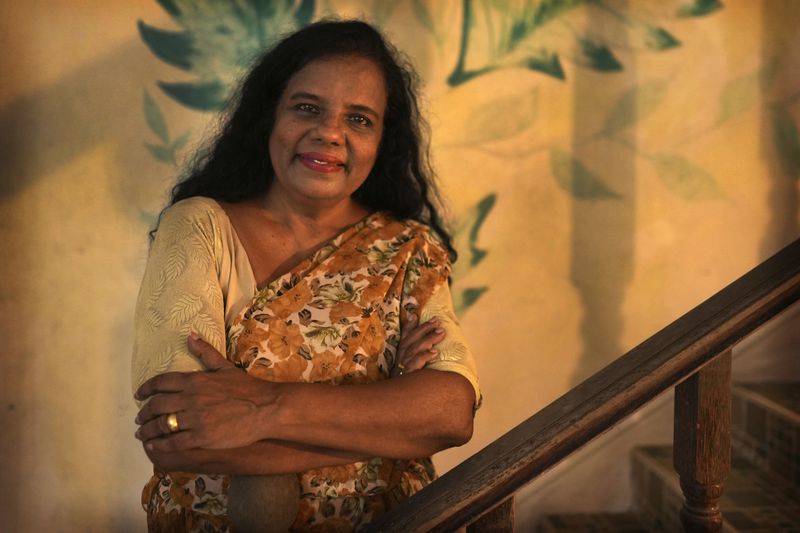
(321, 162)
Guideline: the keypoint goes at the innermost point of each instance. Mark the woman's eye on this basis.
(361, 120)
(307, 108)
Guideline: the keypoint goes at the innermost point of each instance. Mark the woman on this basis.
(299, 244)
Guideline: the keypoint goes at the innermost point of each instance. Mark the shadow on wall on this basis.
(778, 134)
(96, 105)
(602, 234)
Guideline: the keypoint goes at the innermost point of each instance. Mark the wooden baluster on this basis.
(498, 520)
(702, 452)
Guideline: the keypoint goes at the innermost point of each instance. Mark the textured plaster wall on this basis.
(622, 198)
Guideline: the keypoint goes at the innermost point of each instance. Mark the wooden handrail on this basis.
(667, 358)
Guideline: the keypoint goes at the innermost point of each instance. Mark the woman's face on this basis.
(328, 126)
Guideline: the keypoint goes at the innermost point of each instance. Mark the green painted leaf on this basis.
(787, 141)
(175, 48)
(466, 298)
(576, 179)
(180, 142)
(465, 235)
(424, 17)
(479, 217)
(162, 153)
(170, 7)
(599, 56)
(739, 95)
(509, 28)
(382, 10)
(635, 104)
(304, 12)
(546, 62)
(219, 40)
(699, 7)
(659, 38)
(148, 218)
(498, 34)
(209, 96)
(684, 178)
(502, 118)
(154, 117)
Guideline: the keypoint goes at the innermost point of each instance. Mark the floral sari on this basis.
(334, 319)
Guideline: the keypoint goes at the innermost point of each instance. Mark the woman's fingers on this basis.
(416, 347)
(160, 405)
(167, 382)
(419, 360)
(431, 338)
(177, 381)
(209, 356)
(413, 333)
(160, 426)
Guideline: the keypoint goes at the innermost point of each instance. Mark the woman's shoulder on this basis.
(408, 226)
(194, 206)
(196, 209)
(418, 235)
(198, 212)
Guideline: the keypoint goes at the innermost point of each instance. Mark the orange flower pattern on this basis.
(335, 318)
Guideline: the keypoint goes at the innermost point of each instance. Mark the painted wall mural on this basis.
(217, 41)
(606, 164)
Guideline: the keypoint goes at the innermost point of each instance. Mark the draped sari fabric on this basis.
(334, 319)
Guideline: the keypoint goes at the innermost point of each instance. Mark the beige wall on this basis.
(623, 198)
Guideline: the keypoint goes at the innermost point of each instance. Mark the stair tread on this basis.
(754, 499)
(781, 397)
(592, 523)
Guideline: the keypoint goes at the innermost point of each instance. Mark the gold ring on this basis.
(172, 422)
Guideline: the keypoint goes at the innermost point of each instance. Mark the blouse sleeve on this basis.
(454, 354)
(180, 293)
(426, 290)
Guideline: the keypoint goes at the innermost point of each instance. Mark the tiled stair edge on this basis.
(656, 498)
(774, 407)
(767, 433)
(754, 499)
(591, 522)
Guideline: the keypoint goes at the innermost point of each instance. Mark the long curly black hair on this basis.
(236, 165)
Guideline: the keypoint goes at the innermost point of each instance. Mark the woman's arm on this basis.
(412, 416)
(180, 292)
(263, 457)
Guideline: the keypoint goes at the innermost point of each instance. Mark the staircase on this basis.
(693, 355)
(762, 492)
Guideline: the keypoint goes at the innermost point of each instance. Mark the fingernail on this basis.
(138, 434)
(412, 318)
(137, 420)
(149, 446)
(439, 330)
(193, 335)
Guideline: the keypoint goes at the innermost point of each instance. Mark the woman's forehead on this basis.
(351, 77)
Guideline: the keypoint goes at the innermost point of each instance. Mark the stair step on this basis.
(766, 426)
(591, 523)
(754, 500)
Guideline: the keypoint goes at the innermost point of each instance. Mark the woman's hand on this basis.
(417, 341)
(211, 409)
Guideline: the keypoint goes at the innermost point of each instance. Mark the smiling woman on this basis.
(306, 246)
(328, 127)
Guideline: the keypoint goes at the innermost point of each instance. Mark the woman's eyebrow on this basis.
(302, 95)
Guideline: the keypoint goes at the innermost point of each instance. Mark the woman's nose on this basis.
(329, 131)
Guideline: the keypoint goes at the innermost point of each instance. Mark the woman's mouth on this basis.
(320, 162)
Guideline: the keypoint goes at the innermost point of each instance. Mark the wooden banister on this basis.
(669, 357)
